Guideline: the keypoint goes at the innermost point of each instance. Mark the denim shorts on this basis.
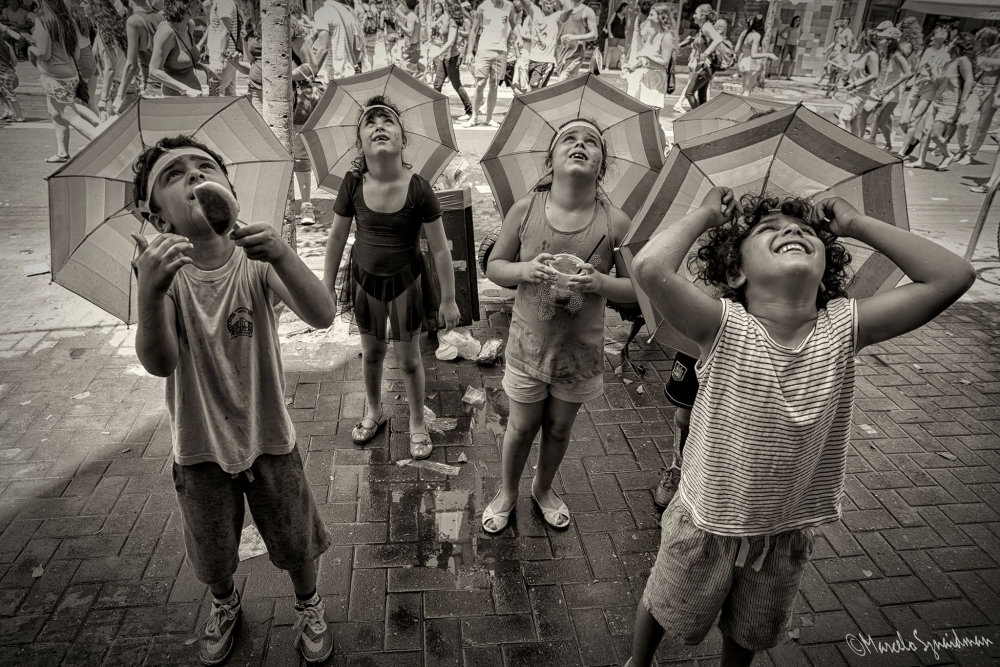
(281, 504)
(521, 387)
(752, 581)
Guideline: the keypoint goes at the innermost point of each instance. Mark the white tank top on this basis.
(496, 27)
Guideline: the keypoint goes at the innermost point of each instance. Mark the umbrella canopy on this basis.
(330, 134)
(791, 152)
(515, 161)
(92, 198)
(722, 111)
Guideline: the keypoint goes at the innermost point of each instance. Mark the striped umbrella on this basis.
(722, 111)
(330, 134)
(515, 161)
(92, 198)
(791, 152)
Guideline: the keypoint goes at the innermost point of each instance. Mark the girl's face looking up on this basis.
(381, 133)
(578, 150)
(781, 247)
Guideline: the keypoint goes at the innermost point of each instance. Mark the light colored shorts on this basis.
(299, 153)
(945, 110)
(852, 107)
(696, 576)
(523, 388)
(748, 64)
(490, 64)
(971, 110)
(62, 91)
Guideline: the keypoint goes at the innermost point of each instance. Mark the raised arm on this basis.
(692, 312)
(939, 277)
(156, 265)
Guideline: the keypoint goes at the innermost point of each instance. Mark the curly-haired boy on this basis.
(766, 454)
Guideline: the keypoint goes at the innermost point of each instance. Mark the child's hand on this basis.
(536, 271)
(160, 260)
(587, 281)
(721, 202)
(840, 214)
(260, 242)
(448, 314)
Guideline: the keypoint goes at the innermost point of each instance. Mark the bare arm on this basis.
(692, 312)
(437, 241)
(477, 19)
(716, 39)
(335, 244)
(296, 285)
(590, 21)
(761, 55)
(618, 287)
(158, 261)
(322, 47)
(662, 57)
(939, 276)
(504, 267)
(968, 80)
(131, 64)
(42, 48)
(163, 42)
(872, 71)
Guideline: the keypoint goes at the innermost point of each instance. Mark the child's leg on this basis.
(491, 97)
(304, 580)
(522, 424)
(558, 417)
(647, 637)
(734, 655)
(409, 361)
(372, 357)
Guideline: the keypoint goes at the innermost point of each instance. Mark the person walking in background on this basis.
(750, 55)
(223, 40)
(438, 33)
(927, 76)
(954, 88)
(86, 63)
(547, 20)
(175, 54)
(140, 27)
(888, 91)
(337, 32)
(789, 36)
(615, 32)
(496, 18)
(370, 16)
(579, 28)
(55, 52)
(409, 27)
(836, 56)
(110, 45)
(701, 76)
(654, 59)
(8, 76)
(977, 113)
(20, 21)
(864, 72)
(303, 74)
(450, 55)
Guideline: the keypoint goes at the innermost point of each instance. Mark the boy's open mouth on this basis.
(792, 246)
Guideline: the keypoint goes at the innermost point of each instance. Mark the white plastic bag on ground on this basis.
(457, 342)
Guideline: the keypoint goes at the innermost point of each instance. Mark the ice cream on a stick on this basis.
(218, 206)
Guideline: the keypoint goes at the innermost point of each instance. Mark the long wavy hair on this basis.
(913, 33)
(79, 17)
(359, 164)
(250, 15)
(110, 24)
(664, 15)
(56, 19)
(719, 258)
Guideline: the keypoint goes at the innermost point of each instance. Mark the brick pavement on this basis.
(86, 502)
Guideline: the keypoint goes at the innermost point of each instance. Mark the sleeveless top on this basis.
(496, 27)
(182, 64)
(767, 449)
(859, 70)
(149, 22)
(558, 337)
(574, 25)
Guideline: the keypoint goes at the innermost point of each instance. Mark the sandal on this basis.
(945, 163)
(553, 516)
(362, 435)
(57, 159)
(499, 519)
(421, 448)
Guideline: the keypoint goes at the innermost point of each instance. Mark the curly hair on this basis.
(175, 11)
(110, 24)
(912, 32)
(664, 15)
(719, 257)
(964, 45)
(359, 164)
(987, 37)
(144, 163)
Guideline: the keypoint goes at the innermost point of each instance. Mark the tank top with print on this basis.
(558, 336)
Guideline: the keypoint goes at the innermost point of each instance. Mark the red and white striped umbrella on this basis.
(92, 207)
(330, 134)
(515, 160)
(722, 111)
(790, 152)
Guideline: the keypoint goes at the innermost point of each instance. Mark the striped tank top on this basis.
(767, 448)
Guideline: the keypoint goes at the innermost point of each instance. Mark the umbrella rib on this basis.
(781, 139)
(104, 222)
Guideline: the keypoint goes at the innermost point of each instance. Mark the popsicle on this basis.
(218, 206)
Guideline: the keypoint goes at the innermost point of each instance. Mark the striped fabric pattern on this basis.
(767, 449)
(722, 111)
(92, 200)
(330, 133)
(515, 160)
(790, 152)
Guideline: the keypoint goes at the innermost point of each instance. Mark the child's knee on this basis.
(682, 418)
(409, 364)
(374, 355)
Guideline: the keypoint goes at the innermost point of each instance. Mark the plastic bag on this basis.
(442, 468)
(474, 397)
(454, 175)
(490, 354)
(457, 342)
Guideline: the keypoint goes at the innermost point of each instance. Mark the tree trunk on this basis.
(772, 15)
(277, 93)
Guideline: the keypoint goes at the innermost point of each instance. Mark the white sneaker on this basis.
(464, 118)
(965, 159)
(472, 122)
(307, 215)
(493, 124)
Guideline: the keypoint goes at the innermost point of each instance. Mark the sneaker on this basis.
(667, 487)
(494, 124)
(980, 189)
(464, 118)
(216, 640)
(316, 639)
(307, 215)
(472, 122)
(965, 160)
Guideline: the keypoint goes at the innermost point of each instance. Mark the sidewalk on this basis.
(92, 567)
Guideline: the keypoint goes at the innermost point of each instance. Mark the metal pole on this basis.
(981, 222)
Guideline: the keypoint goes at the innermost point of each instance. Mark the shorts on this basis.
(748, 64)
(852, 107)
(281, 504)
(970, 112)
(7, 79)
(539, 74)
(299, 153)
(490, 64)
(696, 576)
(569, 65)
(62, 91)
(945, 110)
(521, 387)
(682, 386)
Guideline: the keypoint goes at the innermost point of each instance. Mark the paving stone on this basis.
(443, 643)
(947, 614)
(403, 621)
(551, 613)
(499, 629)
(593, 637)
(555, 654)
(133, 594)
(439, 604)
(897, 590)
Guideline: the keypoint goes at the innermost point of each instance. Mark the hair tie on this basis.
(366, 110)
(162, 163)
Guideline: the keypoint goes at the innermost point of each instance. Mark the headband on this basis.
(161, 163)
(577, 123)
(366, 110)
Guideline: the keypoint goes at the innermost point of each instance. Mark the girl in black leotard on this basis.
(387, 287)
